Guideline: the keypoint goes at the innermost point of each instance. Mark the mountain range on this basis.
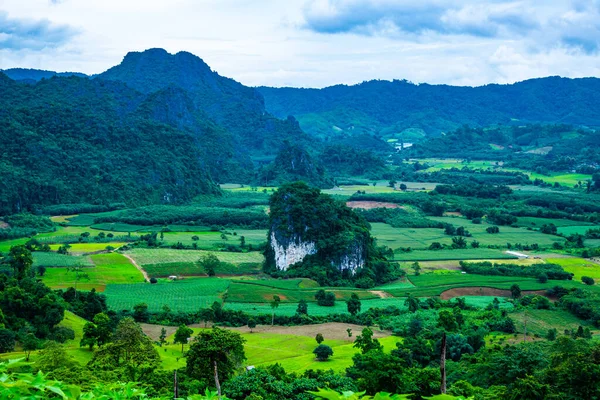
(163, 127)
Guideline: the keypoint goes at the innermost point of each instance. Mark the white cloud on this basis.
(267, 42)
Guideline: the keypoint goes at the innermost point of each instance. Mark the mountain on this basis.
(386, 109)
(35, 75)
(237, 108)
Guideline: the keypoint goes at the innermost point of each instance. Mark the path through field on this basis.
(146, 277)
(331, 330)
(381, 293)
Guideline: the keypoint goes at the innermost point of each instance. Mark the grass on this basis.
(570, 230)
(539, 321)
(212, 240)
(49, 259)
(459, 254)
(578, 266)
(256, 292)
(484, 301)
(111, 268)
(188, 295)
(80, 248)
(166, 262)
(535, 222)
(289, 309)
(292, 352)
(421, 238)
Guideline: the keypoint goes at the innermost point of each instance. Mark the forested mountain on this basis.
(35, 75)
(387, 108)
(157, 128)
(237, 108)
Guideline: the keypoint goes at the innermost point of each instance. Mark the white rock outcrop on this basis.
(291, 252)
(352, 261)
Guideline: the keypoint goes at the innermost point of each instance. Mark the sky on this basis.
(314, 43)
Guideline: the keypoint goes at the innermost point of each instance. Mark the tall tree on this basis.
(274, 305)
(353, 304)
(182, 335)
(219, 350)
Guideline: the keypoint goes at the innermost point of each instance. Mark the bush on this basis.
(153, 280)
(323, 352)
(61, 334)
(587, 280)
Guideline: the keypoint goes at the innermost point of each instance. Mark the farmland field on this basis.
(458, 254)
(165, 262)
(578, 266)
(48, 259)
(106, 269)
(188, 295)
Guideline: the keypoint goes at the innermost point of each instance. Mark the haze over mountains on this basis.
(164, 128)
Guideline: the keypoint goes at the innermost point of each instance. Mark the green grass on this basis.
(484, 301)
(570, 230)
(578, 266)
(539, 321)
(289, 309)
(258, 292)
(165, 262)
(212, 240)
(292, 352)
(79, 248)
(536, 222)
(111, 268)
(49, 259)
(459, 254)
(186, 295)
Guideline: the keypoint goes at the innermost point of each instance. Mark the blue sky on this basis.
(314, 43)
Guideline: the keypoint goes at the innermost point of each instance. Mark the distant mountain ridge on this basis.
(386, 108)
(36, 75)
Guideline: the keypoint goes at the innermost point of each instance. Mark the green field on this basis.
(188, 295)
(578, 266)
(111, 268)
(49, 259)
(166, 262)
(459, 254)
(289, 309)
(539, 321)
(535, 222)
(256, 292)
(212, 240)
(81, 248)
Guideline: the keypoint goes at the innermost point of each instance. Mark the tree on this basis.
(353, 304)
(542, 278)
(302, 307)
(365, 341)
(20, 260)
(162, 339)
(209, 263)
(515, 291)
(459, 242)
(217, 350)
(552, 333)
(403, 187)
(130, 351)
(412, 303)
(140, 312)
(587, 280)
(251, 324)
(29, 343)
(7, 340)
(475, 244)
(182, 335)
(52, 357)
(416, 268)
(349, 332)
(89, 336)
(242, 241)
(319, 338)
(274, 305)
(324, 298)
(323, 352)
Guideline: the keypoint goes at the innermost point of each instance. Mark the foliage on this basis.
(552, 271)
(323, 352)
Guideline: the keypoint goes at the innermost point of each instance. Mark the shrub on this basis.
(587, 280)
(153, 280)
(323, 352)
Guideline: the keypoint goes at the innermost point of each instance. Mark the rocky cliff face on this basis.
(290, 251)
(353, 259)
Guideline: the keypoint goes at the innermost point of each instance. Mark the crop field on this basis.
(570, 230)
(484, 301)
(188, 295)
(578, 266)
(535, 222)
(165, 262)
(458, 254)
(251, 292)
(539, 321)
(212, 240)
(80, 248)
(289, 309)
(111, 268)
(421, 238)
(49, 259)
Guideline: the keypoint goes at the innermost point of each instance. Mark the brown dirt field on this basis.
(332, 330)
(483, 291)
(368, 205)
(153, 331)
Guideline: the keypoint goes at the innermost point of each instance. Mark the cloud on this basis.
(385, 17)
(572, 24)
(25, 34)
